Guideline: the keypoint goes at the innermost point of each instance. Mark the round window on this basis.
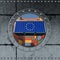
(29, 29)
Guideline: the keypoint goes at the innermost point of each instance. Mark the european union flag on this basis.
(29, 27)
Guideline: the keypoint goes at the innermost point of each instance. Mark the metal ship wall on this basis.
(51, 8)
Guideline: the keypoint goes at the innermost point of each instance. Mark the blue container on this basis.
(29, 27)
(27, 44)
